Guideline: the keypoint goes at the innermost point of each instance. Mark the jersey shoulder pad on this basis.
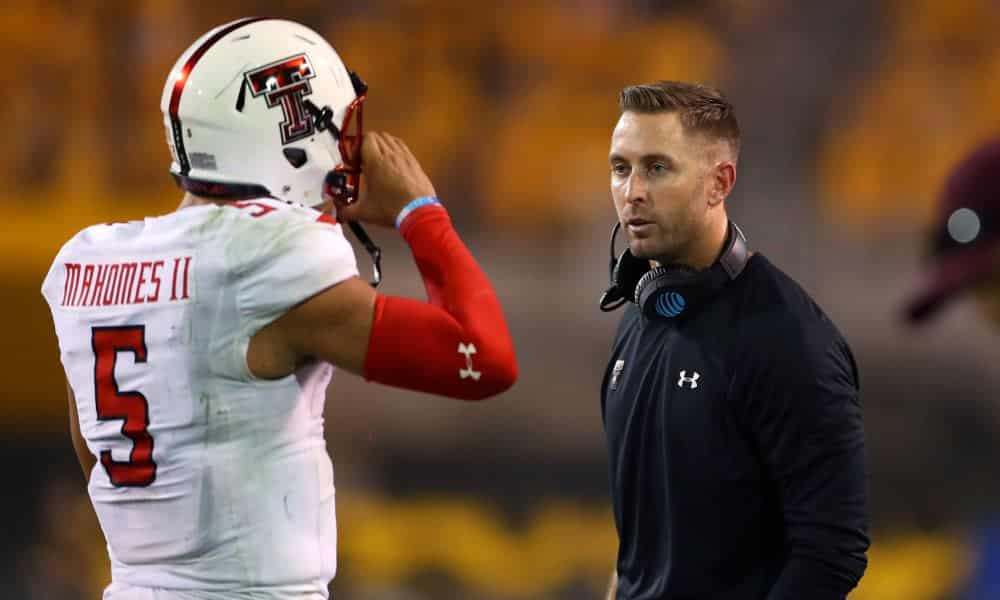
(284, 254)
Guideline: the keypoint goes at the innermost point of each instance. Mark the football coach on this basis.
(730, 401)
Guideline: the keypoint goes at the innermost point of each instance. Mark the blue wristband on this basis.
(414, 205)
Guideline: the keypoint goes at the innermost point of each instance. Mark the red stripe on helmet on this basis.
(179, 83)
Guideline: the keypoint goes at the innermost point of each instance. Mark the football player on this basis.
(198, 345)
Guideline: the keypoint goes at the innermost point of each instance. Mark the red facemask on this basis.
(343, 183)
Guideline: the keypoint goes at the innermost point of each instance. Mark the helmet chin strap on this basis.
(373, 251)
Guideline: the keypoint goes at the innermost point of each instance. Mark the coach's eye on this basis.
(657, 169)
(619, 169)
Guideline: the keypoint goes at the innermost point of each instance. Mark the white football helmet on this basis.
(249, 110)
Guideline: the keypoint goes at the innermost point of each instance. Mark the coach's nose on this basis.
(636, 188)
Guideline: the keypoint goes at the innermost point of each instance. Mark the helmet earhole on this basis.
(295, 156)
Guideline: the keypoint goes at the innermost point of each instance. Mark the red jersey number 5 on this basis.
(130, 406)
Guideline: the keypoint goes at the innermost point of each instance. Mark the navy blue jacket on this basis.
(736, 447)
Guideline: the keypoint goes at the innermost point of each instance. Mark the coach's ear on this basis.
(720, 181)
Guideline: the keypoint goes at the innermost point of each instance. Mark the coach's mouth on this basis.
(638, 226)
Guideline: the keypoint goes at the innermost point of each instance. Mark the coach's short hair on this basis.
(699, 107)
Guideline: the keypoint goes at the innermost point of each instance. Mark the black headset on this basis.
(671, 291)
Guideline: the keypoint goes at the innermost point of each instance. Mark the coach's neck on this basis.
(706, 246)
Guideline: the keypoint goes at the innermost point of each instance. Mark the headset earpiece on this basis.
(672, 291)
(628, 271)
(667, 291)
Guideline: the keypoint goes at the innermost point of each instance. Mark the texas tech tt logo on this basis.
(286, 82)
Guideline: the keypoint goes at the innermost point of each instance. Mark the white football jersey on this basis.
(208, 479)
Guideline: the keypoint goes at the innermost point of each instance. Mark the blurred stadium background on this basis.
(852, 113)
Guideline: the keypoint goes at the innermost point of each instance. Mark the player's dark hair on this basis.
(700, 107)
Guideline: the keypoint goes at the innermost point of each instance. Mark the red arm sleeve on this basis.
(457, 344)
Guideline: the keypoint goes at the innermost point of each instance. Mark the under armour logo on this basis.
(468, 350)
(693, 380)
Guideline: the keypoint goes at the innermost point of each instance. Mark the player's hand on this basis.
(391, 179)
